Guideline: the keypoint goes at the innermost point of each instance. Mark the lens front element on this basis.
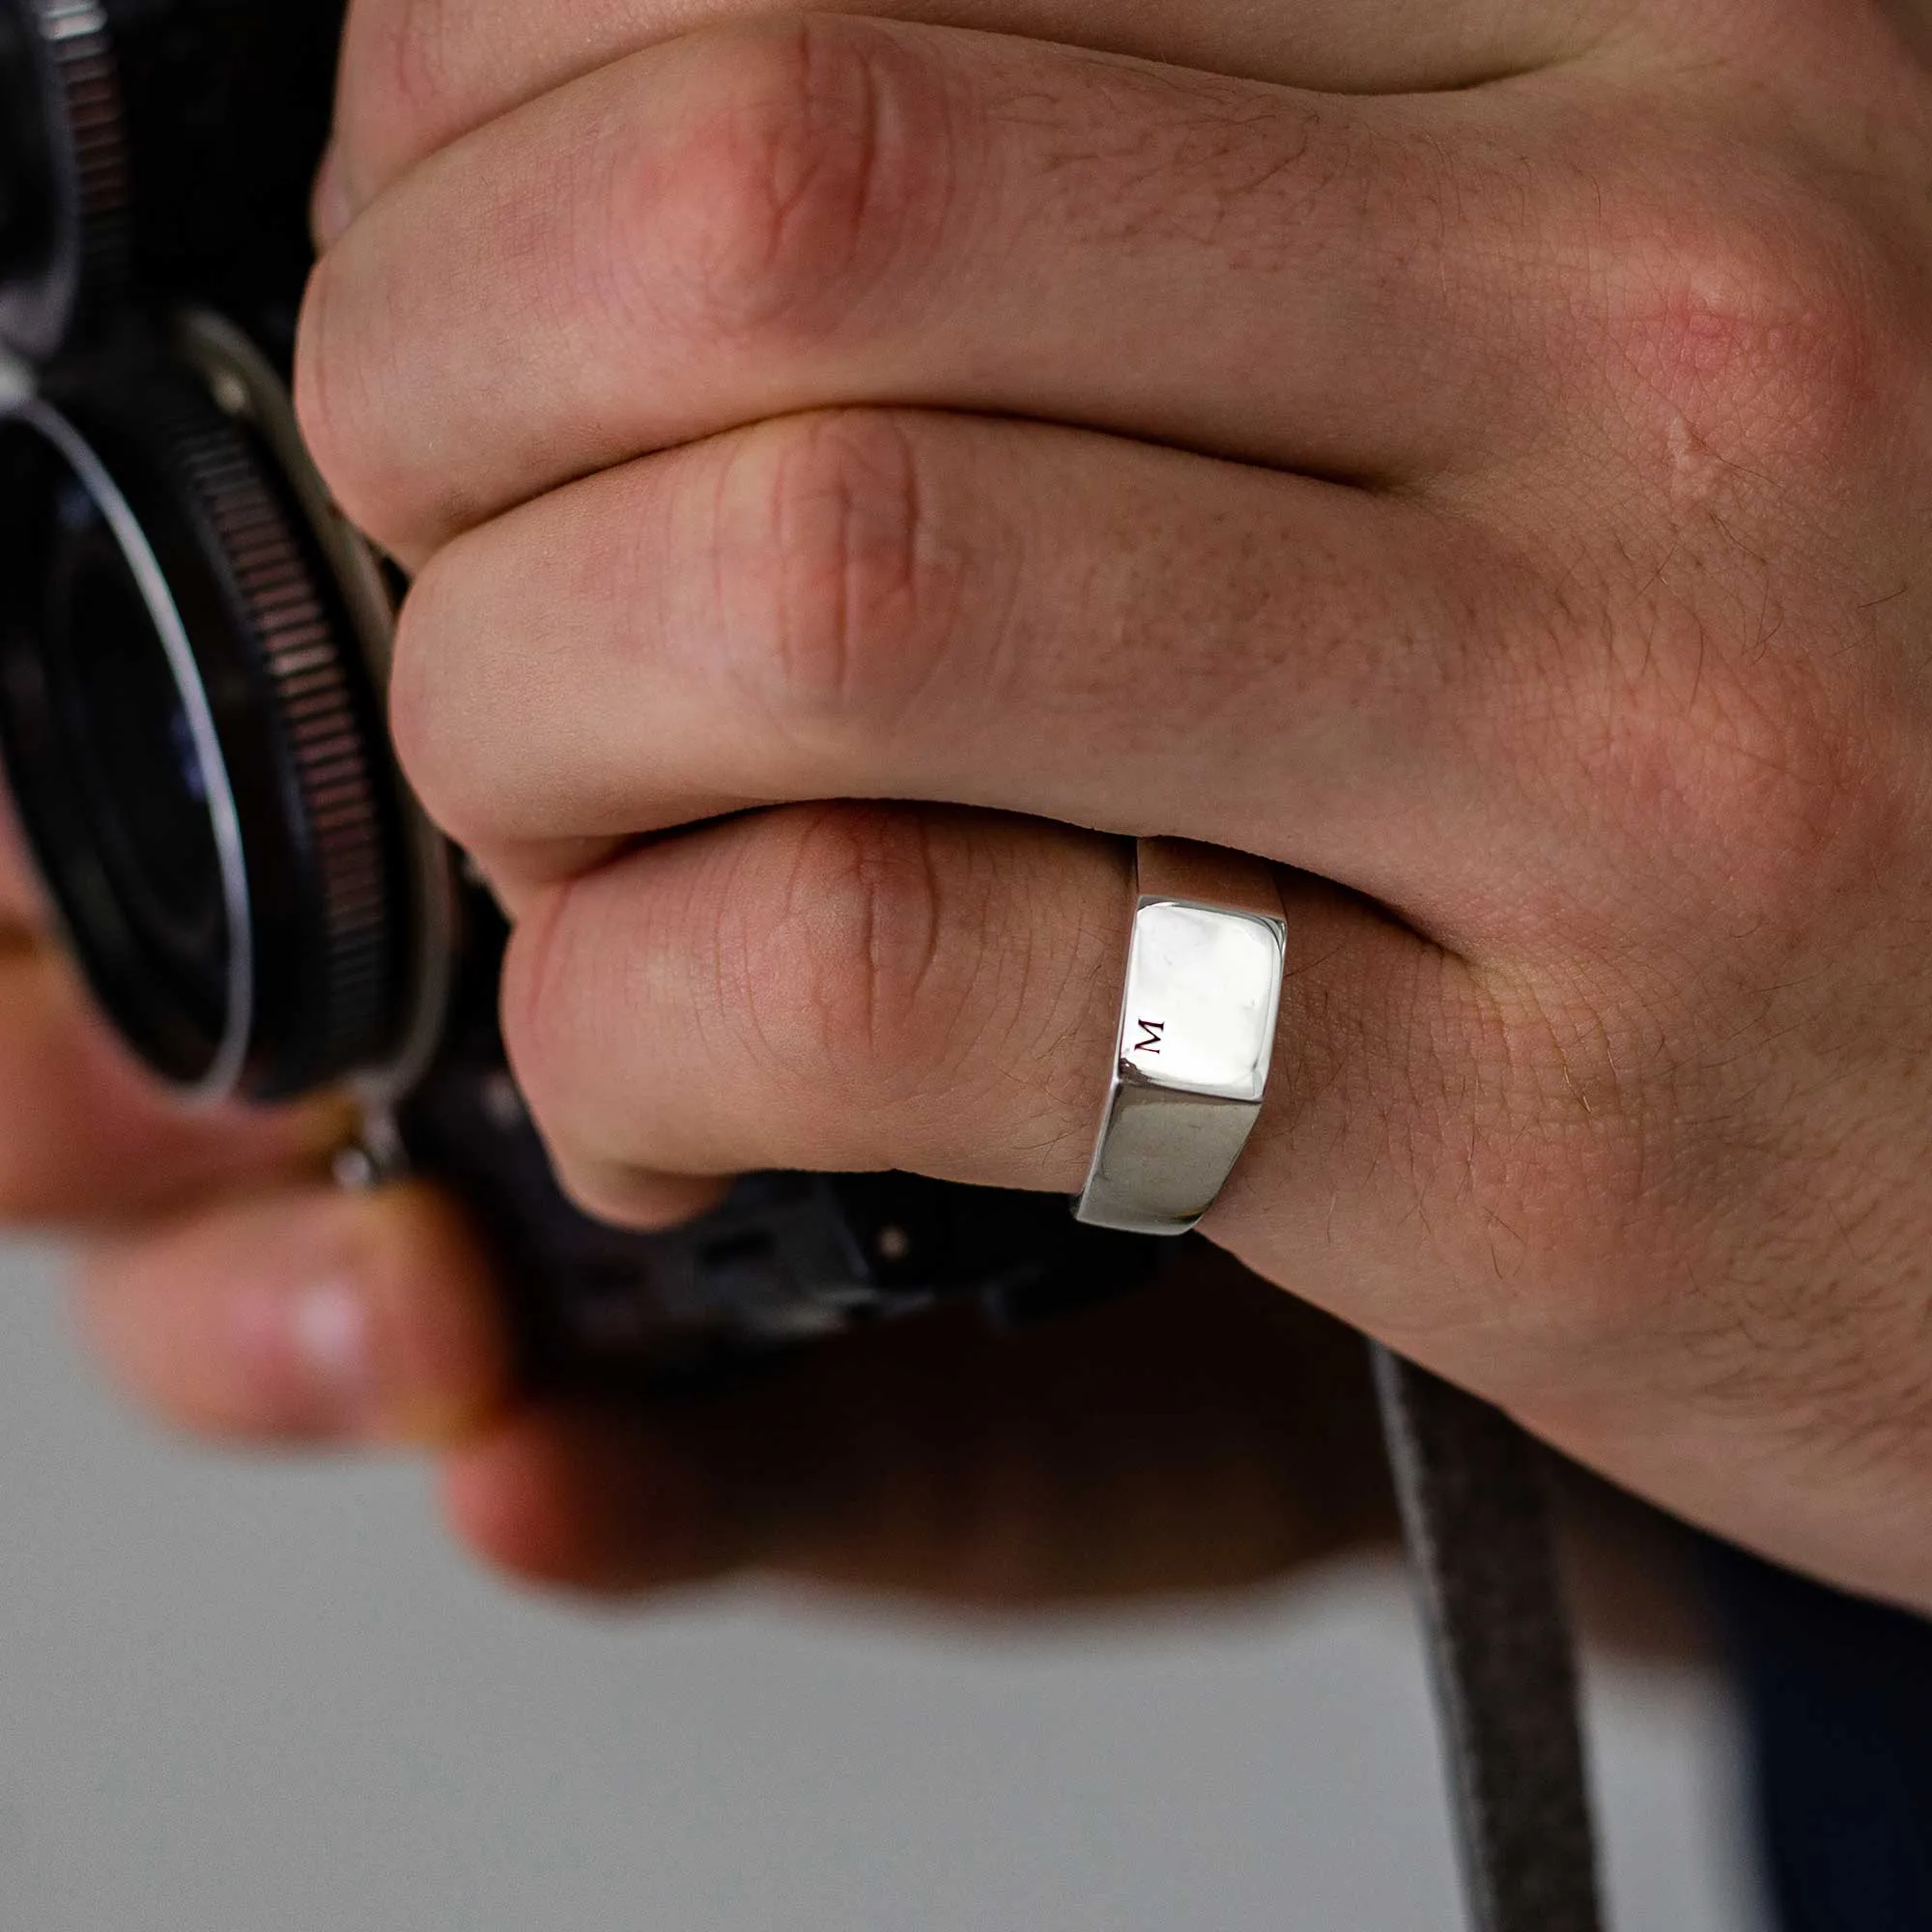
(126, 735)
(193, 744)
(118, 799)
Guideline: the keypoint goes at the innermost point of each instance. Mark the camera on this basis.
(192, 654)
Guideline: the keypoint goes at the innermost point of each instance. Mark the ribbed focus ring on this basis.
(337, 793)
(80, 181)
(80, 49)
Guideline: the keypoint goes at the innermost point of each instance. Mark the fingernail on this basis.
(367, 1330)
(332, 208)
(311, 1350)
(333, 1330)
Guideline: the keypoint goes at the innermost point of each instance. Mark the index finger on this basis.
(417, 77)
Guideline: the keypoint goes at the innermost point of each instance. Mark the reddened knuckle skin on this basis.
(1758, 340)
(812, 164)
(848, 585)
(1822, 817)
(1781, 795)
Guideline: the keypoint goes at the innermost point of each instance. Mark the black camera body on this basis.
(193, 653)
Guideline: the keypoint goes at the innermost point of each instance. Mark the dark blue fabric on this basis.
(1838, 1698)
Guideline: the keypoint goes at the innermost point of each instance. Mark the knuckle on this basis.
(813, 165)
(852, 593)
(1758, 337)
(1776, 792)
(1729, 734)
(857, 957)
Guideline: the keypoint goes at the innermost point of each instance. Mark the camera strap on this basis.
(1473, 1495)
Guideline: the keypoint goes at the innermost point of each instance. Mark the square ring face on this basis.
(1204, 993)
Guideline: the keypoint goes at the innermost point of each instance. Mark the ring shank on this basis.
(1162, 1160)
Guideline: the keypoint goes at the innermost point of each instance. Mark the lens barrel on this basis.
(193, 739)
(158, 144)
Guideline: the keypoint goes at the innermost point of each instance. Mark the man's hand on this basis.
(1211, 1436)
(1502, 502)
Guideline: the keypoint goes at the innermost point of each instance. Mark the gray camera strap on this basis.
(1471, 1487)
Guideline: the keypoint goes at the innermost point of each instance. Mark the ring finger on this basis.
(855, 988)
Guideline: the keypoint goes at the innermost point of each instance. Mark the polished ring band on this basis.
(1205, 972)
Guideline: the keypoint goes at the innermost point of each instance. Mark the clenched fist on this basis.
(1473, 455)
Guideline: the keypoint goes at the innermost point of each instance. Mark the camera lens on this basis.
(101, 755)
(193, 743)
(124, 720)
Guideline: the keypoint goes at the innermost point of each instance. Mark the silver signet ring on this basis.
(1204, 971)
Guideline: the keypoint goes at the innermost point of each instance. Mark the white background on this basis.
(262, 1697)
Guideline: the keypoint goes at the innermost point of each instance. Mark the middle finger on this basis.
(744, 223)
(881, 605)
